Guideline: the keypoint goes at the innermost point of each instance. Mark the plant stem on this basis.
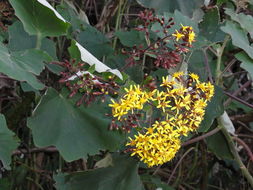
(199, 138)
(219, 56)
(218, 81)
(233, 150)
(38, 40)
(117, 22)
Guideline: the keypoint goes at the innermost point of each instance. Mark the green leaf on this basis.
(69, 12)
(5, 184)
(196, 64)
(186, 7)
(7, 143)
(239, 37)
(220, 2)
(94, 41)
(154, 182)
(75, 131)
(17, 69)
(17, 37)
(131, 38)
(210, 26)
(217, 143)
(31, 60)
(247, 62)
(214, 109)
(179, 18)
(123, 175)
(245, 21)
(39, 18)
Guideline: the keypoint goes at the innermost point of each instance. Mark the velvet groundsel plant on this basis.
(167, 50)
(180, 102)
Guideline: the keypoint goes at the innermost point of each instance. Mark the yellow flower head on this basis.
(185, 28)
(194, 77)
(178, 35)
(178, 74)
(191, 37)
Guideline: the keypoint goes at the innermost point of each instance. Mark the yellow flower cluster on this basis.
(182, 105)
(186, 33)
(158, 145)
(134, 98)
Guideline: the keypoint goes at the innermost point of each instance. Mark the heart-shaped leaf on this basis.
(19, 66)
(214, 109)
(7, 143)
(75, 131)
(246, 21)
(123, 175)
(239, 37)
(39, 18)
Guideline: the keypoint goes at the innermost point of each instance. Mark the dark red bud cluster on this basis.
(78, 80)
(127, 124)
(167, 59)
(164, 57)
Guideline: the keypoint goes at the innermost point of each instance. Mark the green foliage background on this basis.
(47, 142)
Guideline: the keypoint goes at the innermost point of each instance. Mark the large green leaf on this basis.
(246, 21)
(75, 131)
(19, 68)
(94, 41)
(131, 38)
(123, 175)
(214, 109)
(217, 143)
(187, 7)
(210, 26)
(7, 143)
(196, 64)
(31, 60)
(17, 37)
(69, 12)
(247, 62)
(239, 37)
(39, 17)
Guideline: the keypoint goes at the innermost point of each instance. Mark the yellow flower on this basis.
(163, 104)
(191, 37)
(178, 74)
(178, 35)
(185, 28)
(155, 148)
(167, 83)
(194, 77)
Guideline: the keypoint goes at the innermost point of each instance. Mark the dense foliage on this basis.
(126, 95)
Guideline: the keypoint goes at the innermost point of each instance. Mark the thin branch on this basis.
(246, 136)
(245, 146)
(228, 66)
(239, 100)
(179, 162)
(245, 85)
(210, 133)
